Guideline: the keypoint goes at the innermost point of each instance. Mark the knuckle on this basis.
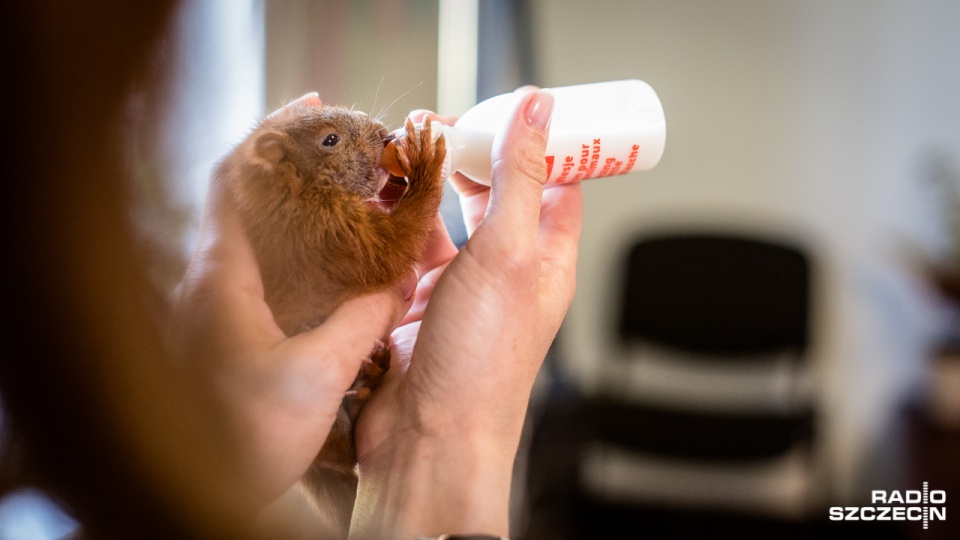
(527, 162)
(518, 262)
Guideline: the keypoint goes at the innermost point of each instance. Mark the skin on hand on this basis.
(438, 439)
(278, 395)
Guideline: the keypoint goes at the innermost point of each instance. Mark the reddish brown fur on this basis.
(318, 241)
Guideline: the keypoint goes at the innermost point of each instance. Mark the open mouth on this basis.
(391, 192)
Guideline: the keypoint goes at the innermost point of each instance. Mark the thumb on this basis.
(519, 166)
(346, 338)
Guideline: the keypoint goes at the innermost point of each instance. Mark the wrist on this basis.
(415, 485)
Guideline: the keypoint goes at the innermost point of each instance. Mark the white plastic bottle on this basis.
(597, 130)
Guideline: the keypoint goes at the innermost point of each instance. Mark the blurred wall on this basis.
(377, 55)
(210, 93)
(813, 119)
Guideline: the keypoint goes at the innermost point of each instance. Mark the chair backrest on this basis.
(722, 294)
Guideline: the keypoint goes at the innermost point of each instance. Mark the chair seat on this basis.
(781, 486)
(700, 435)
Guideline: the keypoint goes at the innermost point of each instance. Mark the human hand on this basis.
(278, 395)
(437, 441)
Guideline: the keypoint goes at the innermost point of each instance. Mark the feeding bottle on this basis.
(597, 130)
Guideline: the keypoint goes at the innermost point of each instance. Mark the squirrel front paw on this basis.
(421, 152)
(371, 372)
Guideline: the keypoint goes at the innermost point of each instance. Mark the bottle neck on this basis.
(451, 164)
(467, 151)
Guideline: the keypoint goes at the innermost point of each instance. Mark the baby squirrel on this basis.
(306, 183)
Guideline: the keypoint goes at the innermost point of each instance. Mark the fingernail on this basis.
(418, 115)
(539, 110)
(310, 98)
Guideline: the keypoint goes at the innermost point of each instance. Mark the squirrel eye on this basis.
(331, 140)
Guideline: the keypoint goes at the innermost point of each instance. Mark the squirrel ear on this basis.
(271, 146)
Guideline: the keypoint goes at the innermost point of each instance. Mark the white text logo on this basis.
(910, 505)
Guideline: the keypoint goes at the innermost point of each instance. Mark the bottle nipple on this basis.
(388, 160)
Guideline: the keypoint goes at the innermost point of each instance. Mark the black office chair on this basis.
(711, 402)
(716, 294)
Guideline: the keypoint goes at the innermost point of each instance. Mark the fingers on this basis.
(519, 171)
(220, 299)
(223, 242)
(440, 248)
(419, 116)
(561, 219)
(474, 199)
(439, 252)
(311, 99)
(348, 335)
(518, 159)
(466, 187)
